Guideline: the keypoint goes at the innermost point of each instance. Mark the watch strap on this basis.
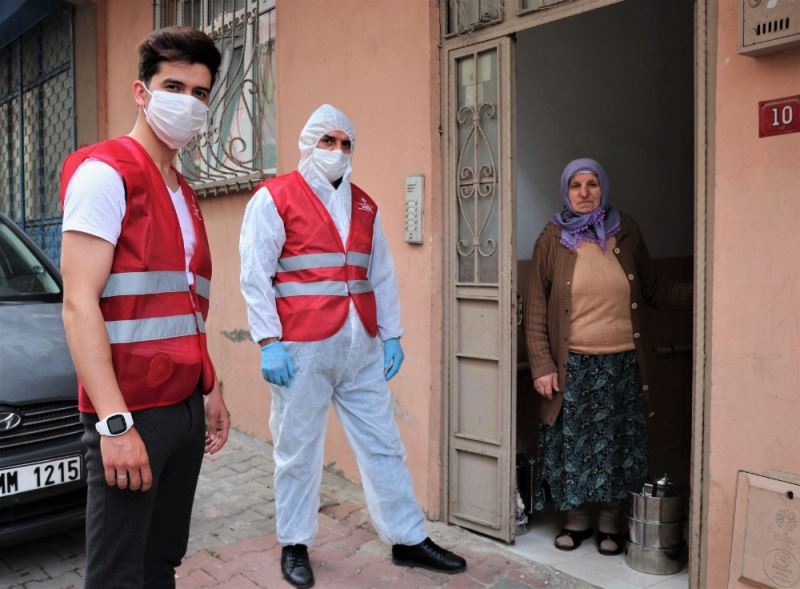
(115, 424)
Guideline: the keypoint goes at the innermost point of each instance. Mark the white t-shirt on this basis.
(95, 204)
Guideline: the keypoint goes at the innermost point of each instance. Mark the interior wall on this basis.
(614, 84)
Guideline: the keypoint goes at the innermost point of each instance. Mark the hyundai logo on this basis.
(9, 420)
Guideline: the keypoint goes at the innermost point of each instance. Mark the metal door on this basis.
(480, 297)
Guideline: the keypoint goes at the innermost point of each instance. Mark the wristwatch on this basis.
(115, 424)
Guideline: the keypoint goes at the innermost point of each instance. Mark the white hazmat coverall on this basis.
(346, 368)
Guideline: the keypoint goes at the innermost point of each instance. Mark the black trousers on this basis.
(135, 539)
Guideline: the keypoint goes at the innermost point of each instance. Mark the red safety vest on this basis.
(155, 321)
(317, 275)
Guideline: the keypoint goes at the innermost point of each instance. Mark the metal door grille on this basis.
(37, 127)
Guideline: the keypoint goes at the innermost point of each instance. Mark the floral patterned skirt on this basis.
(596, 451)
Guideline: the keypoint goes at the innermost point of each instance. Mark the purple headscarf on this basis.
(597, 226)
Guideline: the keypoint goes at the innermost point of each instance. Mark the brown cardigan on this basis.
(547, 302)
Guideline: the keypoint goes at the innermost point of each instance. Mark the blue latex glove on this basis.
(392, 357)
(277, 366)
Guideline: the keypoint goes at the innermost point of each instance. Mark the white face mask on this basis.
(174, 118)
(332, 164)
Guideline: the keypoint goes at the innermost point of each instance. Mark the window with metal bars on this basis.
(465, 16)
(237, 147)
(37, 128)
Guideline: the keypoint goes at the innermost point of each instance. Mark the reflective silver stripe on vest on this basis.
(359, 286)
(358, 259)
(129, 331)
(323, 287)
(145, 283)
(202, 286)
(201, 324)
(308, 261)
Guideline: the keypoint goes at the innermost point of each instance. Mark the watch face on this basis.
(116, 424)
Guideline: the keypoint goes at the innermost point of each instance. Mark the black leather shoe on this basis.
(428, 555)
(295, 566)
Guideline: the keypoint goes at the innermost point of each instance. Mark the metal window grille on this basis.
(37, 128)
(465, 16)
(237, 147)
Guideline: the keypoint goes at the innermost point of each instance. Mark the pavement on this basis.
(232, 541)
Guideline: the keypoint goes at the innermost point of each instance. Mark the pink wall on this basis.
(126, 25)
(236, 357)
(379, 64)
(386, 78)
(755, 289)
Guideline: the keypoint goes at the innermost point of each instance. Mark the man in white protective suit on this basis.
(321, 293)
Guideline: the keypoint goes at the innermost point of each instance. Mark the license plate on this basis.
(39, 475)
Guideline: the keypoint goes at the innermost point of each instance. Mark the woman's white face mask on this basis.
(332, 164)
(174, 118)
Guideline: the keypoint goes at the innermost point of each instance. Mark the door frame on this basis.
(704, 52)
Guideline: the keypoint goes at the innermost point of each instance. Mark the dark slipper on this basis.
(616, 538)
(577, 536)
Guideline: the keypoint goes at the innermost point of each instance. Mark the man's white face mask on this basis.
(174, 118)
(332, 164)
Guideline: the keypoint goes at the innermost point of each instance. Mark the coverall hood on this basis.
(323, 120)
(337, 200)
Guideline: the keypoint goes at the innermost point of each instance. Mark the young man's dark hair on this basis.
(177, 44)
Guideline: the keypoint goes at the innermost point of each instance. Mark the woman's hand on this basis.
(545, 385)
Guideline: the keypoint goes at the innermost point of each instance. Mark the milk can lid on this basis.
(665, 488)
(662, 487)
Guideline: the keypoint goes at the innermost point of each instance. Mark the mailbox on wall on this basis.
(766, 26)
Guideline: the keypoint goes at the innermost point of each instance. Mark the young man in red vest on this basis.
(321, 294)
(137, 270)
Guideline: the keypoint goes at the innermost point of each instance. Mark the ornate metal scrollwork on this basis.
(476, 180)
(238, 143)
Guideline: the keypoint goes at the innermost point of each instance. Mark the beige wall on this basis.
(755, 289)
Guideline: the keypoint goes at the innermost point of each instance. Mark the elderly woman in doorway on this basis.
(591, 273)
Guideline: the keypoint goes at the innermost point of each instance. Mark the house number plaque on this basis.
(779, 116)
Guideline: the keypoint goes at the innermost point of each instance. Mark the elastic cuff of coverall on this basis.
(384, 334)
(305, 541)
(411, 539)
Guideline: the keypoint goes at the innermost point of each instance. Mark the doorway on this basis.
(616, 83)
